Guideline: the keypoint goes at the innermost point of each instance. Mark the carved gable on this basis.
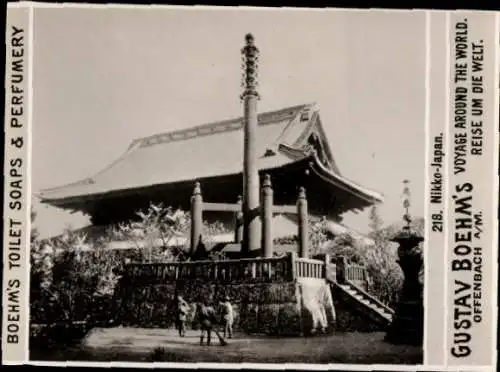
(315, 143)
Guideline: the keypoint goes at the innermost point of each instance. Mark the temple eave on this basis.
(322, 186)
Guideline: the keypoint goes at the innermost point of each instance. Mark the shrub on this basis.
(73, 278)
(379, 256)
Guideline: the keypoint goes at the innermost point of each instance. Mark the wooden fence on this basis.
(225, 271)
(355, 273)
(309, 268)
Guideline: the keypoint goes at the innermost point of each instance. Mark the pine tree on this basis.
(376, 221)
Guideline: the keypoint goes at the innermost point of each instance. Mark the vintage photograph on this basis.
(227, 185)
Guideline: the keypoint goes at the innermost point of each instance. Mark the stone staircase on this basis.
(369, 305)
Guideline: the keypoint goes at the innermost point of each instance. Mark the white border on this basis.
(48, 5)
(496, 113)
(426, 175)
(32, 5)
(31, 40)
(447, 186)
(257, 366)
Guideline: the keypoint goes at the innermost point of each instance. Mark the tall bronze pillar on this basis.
(251, 225)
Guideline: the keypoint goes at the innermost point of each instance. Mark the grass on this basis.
(143, 345)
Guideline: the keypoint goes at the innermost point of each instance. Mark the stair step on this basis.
(367, 302)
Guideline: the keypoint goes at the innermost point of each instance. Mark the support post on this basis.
(293, 269)
(341, 269)
(267, 218)
(326, 263)
(303, 228)
(196, 218)
(250, 171)
(238, 230)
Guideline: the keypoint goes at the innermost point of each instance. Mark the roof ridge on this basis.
(236, 123)
(268, 117)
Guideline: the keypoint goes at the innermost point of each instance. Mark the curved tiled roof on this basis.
(209, 150)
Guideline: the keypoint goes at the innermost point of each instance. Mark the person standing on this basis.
(227, 317)
(207, 318)
(182, 311)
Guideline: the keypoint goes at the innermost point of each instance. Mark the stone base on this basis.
(408, 324)
(281, 308)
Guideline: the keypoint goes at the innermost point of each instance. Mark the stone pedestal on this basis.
(407, 326)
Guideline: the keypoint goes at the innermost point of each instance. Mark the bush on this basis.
(385, 277)
(74, 278)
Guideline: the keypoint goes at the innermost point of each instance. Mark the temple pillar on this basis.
(407, 326)
(251, 225)
(267, 218)
(341, 269)
(238, 222)
(303, 224)
(326, 260)
(196, 218)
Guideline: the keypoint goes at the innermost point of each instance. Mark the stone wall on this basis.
(284, 308)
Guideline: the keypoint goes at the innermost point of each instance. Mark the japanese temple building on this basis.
(291, 147)
(280, 166)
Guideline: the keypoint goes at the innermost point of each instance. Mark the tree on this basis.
(155, 233)
(318, 236)
(379, 256)
(74, 276)
(69, 278)
(380, 259)
(376, 221)
(345, 245)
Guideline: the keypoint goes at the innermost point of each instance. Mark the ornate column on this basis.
(303, 224)
(238, 222)
(250, 97)
(267, 218)
(407, 326)
(196, 218)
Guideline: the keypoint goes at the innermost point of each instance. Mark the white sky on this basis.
(103, 77)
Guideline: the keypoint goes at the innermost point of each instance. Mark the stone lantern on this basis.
(407, 326)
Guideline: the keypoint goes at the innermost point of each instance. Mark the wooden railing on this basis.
(252, 270)
(242, 270)
(309, 268)
(355, 273)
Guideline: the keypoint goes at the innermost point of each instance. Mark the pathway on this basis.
(140, 343)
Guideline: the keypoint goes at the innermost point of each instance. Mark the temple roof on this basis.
(213, 150)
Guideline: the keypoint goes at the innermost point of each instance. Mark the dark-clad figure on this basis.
(207, 318)
(182, 311)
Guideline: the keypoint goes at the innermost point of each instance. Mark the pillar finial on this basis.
(267, 181)
(197, 188)
(302, 193)
(250, 58)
